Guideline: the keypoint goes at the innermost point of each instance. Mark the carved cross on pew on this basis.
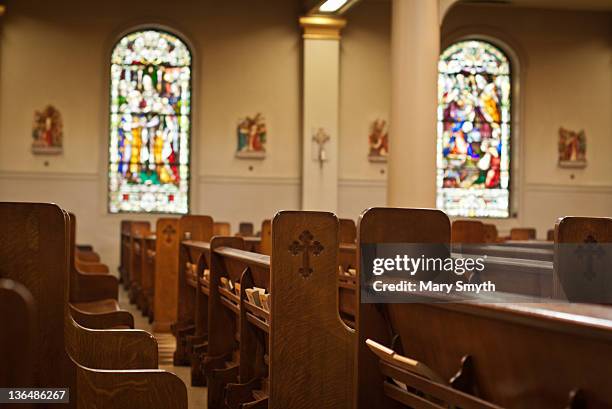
(305, 245)
(589, 250)
(169, 231)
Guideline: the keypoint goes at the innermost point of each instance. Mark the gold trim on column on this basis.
(2, 9)
(322, 27)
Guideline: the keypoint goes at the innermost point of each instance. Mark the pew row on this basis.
(102, 368)
(440, 352)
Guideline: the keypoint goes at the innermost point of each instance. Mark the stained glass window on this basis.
(150, 106)
(474, 118)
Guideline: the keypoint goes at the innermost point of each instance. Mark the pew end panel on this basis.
(311, 349)
(34, 252)
(582, 259)
(387, 225)
(129, 389)
(165, 282)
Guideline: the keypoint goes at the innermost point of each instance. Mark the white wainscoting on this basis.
(356, 195)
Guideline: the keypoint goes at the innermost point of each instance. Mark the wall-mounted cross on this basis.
(305, 245)
(321, 137)
(169, 231)
(589, 249)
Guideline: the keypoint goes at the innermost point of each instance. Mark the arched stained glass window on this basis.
(474, 117)
(149, 124)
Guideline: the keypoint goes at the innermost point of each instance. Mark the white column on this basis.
(320, 110)
(415, 49)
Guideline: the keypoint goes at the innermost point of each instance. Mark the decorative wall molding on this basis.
(251, 180)
(57, 176)
(567, 188)
(372, 183)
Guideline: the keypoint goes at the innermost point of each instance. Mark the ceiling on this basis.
(544, 4)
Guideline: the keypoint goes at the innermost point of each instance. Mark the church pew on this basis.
(197, 274)
(347, 272)
(17, 314)
(501, 355)
(468, 231)
(190, 229)
(222, 229)
(246, 229)
(136, 229)
(265, 246)
(124, 251)
(583, 259)
(298, 354)
(93, 296)
(523, 233)
(35, 250)
(505, 251)
(490, 233)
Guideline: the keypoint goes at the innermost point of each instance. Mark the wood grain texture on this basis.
(311, 350)
(34, 252)
(18, 314)
(348, 231)
(191, 228)
(468, 231)
(166, 264)
(265, 245)
(387, 225)
(129, 389)
(583, 259)
(222, 229)
(522, 233)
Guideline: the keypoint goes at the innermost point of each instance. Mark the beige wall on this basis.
(56, 52)
(246, 60)
(364, 97)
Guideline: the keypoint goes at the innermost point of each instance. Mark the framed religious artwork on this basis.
(252, 137)
(378, 141)
(47, 132)
(572, 148)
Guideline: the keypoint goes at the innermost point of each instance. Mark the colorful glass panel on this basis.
(474, 118)
(150, 124)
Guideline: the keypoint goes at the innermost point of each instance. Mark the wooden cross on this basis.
(305, 245)
(590, 249)
(169, 231)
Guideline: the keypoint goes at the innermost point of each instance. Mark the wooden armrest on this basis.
(105, 320)
(405, 363)
(112, 348)
(88, 255)
(93, 287)
(91, 267)
(129, 389)
(239, 393)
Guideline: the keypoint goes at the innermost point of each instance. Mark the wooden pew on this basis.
(191, 228)
(221, 229)
(93, 296)
(298, 354)
(136, 229)
(347, 271)
(475, 354)
(265, 246)
(17, 337)
(124, 252)
(246, 229)
(583, 262)
(35, 250)
(523, 233)
(468, 231)
(490, 233)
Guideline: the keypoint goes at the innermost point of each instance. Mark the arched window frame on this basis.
(509, 50)
(188, 116)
